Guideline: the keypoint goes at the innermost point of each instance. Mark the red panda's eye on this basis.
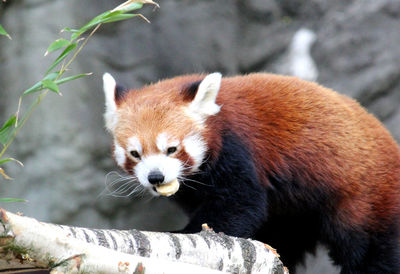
(171, 150)
(135, 154)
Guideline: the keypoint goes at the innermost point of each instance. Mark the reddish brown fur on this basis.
(289, 126)
(304, 126)
(185, 159)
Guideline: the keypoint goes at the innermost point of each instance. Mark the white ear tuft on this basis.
(110, 115)
(109, 85)
(203, 103)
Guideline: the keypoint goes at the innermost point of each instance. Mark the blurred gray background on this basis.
(64, 147)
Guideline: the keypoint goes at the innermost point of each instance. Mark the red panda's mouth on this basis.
(167, 189)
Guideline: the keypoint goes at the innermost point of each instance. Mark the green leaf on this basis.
(76, 35)
(69, 30)
(51, 85)
(62, 56)
(108, 17)
(36, 87)
(10, 122)
(12, 200)
(2, 161)
(90, 24)
(7, 129)
(57, 44)
(118, 17)
(52, 76)
(4, 32)
(130, 7)
(5, 160)
(70, 78)
(39, 85)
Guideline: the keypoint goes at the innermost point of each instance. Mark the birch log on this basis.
(28, 243)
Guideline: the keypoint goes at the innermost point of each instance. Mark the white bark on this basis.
(26, 242)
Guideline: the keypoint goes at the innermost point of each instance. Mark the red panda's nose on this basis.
(155, 177)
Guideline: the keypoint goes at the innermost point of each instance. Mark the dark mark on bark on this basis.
(192, 239)
(60, 226)
(113, 240)
(177, 245)
(87, 238)
(248, 254)
(228, 243)
(142, 243)
(219, 238)
(127, 240)
(72, 231)
(131, 245)
(101, 238)
(278, 267)
(205, 235)
(225, 241)
(220, 265)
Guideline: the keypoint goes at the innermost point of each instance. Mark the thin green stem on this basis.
(77, 51)
(32, 107)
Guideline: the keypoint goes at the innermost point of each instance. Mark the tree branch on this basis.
(28, 243)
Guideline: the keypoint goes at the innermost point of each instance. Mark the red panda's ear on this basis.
(203, 103)
(119, 94)
(189, 91)
(110, 89)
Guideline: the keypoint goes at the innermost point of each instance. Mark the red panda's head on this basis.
(159, 130)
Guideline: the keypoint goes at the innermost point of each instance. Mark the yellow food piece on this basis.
(168, 189)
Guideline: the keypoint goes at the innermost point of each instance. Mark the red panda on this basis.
(273, 158)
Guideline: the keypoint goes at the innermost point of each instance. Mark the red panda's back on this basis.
(328, 141)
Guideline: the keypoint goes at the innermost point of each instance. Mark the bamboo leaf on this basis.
(36, 87)
(111, 16)
(52, 76)
(39, 85)
(4, 32)
(8, 123)
(3, 161)
(7, 129)
(62, 56)
(69, 30)
(57, 44)
(12, 200)
(134, 5)
(95, 21)
(76, 35)
(131, 5)
(51, 85)
(118, 17)
(70, 78)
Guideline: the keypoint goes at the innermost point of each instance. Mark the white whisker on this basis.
(195, 181)
(121, 185)
(189, 186)
(122, 188)
(139, 189)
